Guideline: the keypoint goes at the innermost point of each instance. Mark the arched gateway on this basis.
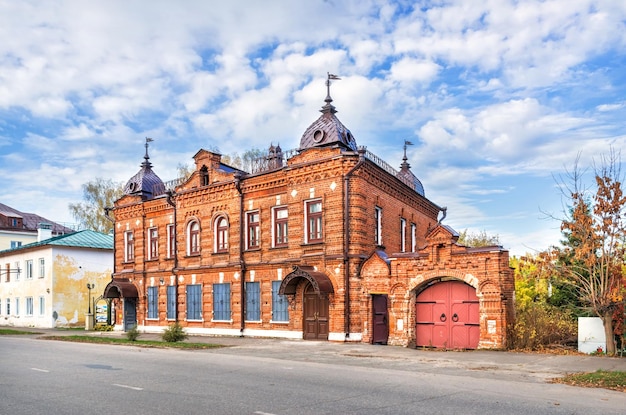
(125, 290)
(315, 306)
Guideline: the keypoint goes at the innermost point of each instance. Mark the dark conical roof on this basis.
(145, 183)
(406, 175)
(327, 130)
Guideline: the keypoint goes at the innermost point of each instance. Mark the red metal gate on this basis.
(446, 316)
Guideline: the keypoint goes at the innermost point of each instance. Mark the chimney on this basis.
(44, 231)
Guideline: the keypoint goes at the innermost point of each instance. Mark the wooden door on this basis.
(316, 315)
(446, 316)
(380, 319)
(130, 313)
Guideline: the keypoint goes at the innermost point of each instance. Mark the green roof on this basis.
(80, 239)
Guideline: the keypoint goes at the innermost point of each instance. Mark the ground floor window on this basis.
(221, 301)
(280, 310)
(42, 305)
(194, 302)
(253, 301)
(171, 302)
(29, 306)
(153, 302)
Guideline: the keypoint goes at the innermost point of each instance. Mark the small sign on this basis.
(491, 326)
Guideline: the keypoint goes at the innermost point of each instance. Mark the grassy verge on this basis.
(5, 332)
(126, 342)
(598, 379)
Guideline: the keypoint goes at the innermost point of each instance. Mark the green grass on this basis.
(140, 343)
(598, 379)
(4, 332)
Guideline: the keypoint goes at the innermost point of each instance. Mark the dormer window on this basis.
(204, 176)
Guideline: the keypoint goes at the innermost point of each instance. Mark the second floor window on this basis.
(402, 235)
(378, 228)
(194, 238)
(42, 268)
(153, 243)
(281, 222)
(314, 221)
(413, 237)
(171, 241)
(221, 233)
(29, 269)
(253, 229)
(129, 246)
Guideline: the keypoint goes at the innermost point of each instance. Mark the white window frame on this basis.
(378, 217)
(42, 306)
(257, 229)
(319, 219)
(413, 237)
(275, 221)
(195, 240)
(402, 235)
(153, 239)
(29, 306)
(220, 241)
(29, 269)
(171, 240)
(17, 306)
(42, 268)
(129, 246)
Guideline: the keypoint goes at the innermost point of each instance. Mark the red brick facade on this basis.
(353, 229)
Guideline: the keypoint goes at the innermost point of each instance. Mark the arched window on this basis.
(221, 234)
(193, 238)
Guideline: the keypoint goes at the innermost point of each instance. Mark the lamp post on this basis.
(89, 288)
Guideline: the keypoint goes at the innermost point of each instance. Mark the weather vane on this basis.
(406, 143)
(330, 77)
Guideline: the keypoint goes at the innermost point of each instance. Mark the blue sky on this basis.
(498, 97)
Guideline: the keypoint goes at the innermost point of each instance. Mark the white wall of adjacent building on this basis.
(50, 289)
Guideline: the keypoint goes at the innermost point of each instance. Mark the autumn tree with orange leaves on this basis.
(592, 257)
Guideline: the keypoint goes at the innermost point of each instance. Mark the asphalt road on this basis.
(51, 377)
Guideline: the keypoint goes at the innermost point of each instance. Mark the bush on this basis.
(132, 334)
(174, 333)
(103, 327)
(540, 325)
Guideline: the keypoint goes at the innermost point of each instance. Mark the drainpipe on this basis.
(170, 201)
(444, 211)
(346, 240)
(242, 263)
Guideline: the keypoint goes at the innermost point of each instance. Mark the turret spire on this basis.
(329, 108)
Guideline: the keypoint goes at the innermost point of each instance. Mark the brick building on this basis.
(324, 242)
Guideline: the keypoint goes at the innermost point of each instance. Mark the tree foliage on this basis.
(475, 239)
(592, 257)
(544, 315)
(97, 194)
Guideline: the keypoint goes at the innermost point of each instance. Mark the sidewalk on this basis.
(494, 364)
